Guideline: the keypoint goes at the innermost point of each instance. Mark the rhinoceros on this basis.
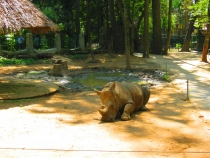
(121, 99)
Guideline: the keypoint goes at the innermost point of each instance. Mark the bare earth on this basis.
(66, 124)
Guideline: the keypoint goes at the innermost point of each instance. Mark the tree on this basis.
(167, 45)
(157, 39)
(113, 24)
(127, 32)
(201, 10)
(88, 26)
(186, 44)
(206, 41)
(146, 32)
(77, 22)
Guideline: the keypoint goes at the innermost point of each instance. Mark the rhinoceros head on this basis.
(110, 102)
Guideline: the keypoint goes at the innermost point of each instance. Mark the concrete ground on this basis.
(193, 78)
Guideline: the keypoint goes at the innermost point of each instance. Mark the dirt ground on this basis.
(66, 124)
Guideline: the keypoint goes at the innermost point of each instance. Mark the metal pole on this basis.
(188, 90)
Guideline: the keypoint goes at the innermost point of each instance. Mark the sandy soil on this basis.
(68, 124)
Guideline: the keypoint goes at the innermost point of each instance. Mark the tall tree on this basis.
(113, 24)
(146, 26)
(165, 52)
(88, 28)
(77, 22)
(127, 32)
(157, 39)
(206, 41)
(186, 44)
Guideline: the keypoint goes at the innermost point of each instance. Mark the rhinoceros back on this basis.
(132, 93)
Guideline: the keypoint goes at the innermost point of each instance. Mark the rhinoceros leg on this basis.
(143, 108)
(129, 108)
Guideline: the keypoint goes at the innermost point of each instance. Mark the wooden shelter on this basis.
(16, 15)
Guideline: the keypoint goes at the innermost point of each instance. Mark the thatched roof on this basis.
(16, 15)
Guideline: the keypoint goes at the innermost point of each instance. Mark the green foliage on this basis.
(200, 11)
(166, 77)
(78, 56)
(8, 42)
(66, 42)
(64, 13)
(44, 43)
(178, 45)
(14, 61)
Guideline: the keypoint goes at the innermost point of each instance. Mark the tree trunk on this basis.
(206, 45)
(60, 68)
(157, 39)
(113, 25)
(186, 44)
(165, 52)
(137, 40)
(206, 41)
(132, 36)
(146, 32)
(119, 3)
(88, 29)
(127, 33)
(77, 22)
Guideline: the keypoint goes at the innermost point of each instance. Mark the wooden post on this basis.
(29, 43)
(58, 42)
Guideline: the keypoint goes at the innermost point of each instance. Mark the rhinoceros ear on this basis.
(97, 91)
(112, 87)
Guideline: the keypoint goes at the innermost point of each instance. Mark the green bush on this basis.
(166, 78)
(178, 45)
(14, 61)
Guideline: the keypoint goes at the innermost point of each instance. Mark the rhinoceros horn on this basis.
(97, 92)
(102, 111)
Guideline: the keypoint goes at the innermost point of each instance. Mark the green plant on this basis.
(178, 45)
(66, 42)
(44, 43)
(8, 42)
(166, 77)
(14, 61)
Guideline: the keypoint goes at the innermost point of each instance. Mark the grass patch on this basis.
(78, 56)
(28, 61)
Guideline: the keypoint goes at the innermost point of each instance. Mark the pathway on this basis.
(186, 67)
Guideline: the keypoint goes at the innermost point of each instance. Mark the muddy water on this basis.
(98, 79)
(95, 79)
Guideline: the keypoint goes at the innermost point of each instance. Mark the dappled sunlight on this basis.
(72, 106)
(75, 67)
(187, 66)
(71, 121)
(74, 120)
(24, 68)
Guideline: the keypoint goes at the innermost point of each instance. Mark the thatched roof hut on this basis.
(16, 15)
